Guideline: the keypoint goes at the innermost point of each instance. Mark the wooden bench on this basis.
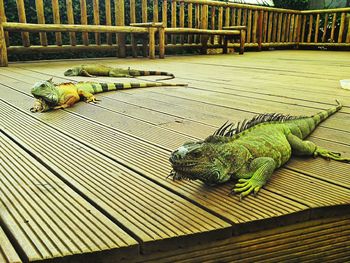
(139, 28)
(227, 32)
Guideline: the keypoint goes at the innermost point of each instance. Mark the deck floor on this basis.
(92, 178)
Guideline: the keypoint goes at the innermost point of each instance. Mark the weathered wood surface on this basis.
(124, 142)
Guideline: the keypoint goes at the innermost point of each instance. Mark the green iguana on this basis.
(59, 96)
(250, 151)
(100, 70)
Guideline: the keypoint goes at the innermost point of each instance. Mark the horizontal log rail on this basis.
(112, 20)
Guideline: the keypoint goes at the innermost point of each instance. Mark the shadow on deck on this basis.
(89, 183)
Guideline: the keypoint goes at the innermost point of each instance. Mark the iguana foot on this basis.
(245, 186)
(92, 99)
(175, 176)
(330, 155)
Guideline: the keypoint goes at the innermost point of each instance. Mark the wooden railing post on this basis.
(22, 19)
(3, 19)
(260, 29)
(3, 48)
(120, 21)
(161, 33)
(70, 17)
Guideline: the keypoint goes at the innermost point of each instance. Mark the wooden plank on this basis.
(265, 26)
(227, 16)
(139, 211)
(96, 9)
(284, 27)
(57, 20)
(41, 20)
(292, 28)
(233, 16)
(70, 17)
(269, 34)
(239, 17)
(22, 19)
(7, 253)
(255, 28)
(288, 27)
(303, 29)
(47, 218)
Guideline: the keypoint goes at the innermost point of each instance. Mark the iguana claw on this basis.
(246, 186)
(330, 155)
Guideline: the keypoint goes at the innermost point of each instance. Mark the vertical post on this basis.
(204, 25)
(291, 32)
(96, 7)
(242, 41)
(3, 19)
(165, 17)
(342, 27)
(239, 17)
(310, 28)
(220, 19)
(22, 19)
(161, 33)
(144, 11)
(303, 29)
(334, 21)
(233, 16)
(155, 11)
(70, 17)
(348, 34)
(213, 11)
(284, 27)
(266, 17)
(260, 29)
(182, 20)
(270, 27)
(152, 45)
(83, 21)
(3, 48)
(317, 27)
(279, 29)
(173, 19)
(41, 20)
(255, 26)
(133, 20)
(190, 21)
(298, 31)
(325, 27)
(120, 21)
(57, 20)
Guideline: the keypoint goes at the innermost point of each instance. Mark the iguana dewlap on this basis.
(60, 96)
(250, 151)
(100, 70)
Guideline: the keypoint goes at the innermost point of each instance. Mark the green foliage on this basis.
(292, 4)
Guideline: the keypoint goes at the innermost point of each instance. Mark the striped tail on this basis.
(157, 73)
(322, 115)
(104, 87)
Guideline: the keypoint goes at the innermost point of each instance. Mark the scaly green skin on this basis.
(250, 152)
(100, 70)
(59, 96)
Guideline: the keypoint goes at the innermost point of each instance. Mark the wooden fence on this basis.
(266, 27)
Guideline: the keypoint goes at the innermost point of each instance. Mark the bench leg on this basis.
(161, 32)
(152, 44)
(224, 49)
(204, 42)
(242, 42)
(3, 49)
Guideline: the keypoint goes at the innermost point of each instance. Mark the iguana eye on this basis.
(196, 153)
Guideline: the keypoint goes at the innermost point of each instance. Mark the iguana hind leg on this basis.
(307, 148)
(261, 169)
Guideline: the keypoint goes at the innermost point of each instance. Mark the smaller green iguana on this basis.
(59, 96)
(101, 70)
(250, 151)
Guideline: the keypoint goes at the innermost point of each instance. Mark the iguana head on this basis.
(212, 161)
(46, 91)
(73, 71)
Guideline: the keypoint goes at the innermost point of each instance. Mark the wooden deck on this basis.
(89, 183)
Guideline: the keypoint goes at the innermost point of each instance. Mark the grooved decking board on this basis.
(228, 207)
(46, 218)
(139, 155)
(7, 252)
(148, 211)
(318, 241)
(170, 140)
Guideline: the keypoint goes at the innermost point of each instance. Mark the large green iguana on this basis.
(59, 96)
(100, 70)
(250, 151)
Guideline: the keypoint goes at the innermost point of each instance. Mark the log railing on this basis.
(266, 27)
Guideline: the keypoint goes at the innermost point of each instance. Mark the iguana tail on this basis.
(308, 124)
(136, 73)
(322, 115)
(103, 87)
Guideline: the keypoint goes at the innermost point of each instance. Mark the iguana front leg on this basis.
(85, 73)
(89, 97)
(307, 148)
(259, 172)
